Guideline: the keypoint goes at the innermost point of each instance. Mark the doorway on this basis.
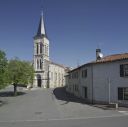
(39, 82)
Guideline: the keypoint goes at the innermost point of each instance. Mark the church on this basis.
(48, 74)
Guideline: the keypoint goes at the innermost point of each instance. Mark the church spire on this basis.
(41, 28)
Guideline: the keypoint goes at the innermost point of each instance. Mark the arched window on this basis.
(40, 64)
(37, 64)
(37, 49)
(41, 47)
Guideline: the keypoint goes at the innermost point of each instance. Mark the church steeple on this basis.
(41, 29)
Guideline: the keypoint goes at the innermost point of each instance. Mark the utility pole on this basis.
(48, 78)
(109, 90)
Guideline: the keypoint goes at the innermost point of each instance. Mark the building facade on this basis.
(102, 81)
(47, 73)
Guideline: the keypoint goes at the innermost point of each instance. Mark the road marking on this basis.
(124, 112)
(63, 119)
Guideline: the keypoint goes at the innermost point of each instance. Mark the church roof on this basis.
(60, 65)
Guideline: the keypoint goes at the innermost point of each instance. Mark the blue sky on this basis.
(75, 28)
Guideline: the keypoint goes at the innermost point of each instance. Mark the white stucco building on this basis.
(47, 73)
(102, 81)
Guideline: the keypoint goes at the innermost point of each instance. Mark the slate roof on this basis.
(60, 65)
(41, 32)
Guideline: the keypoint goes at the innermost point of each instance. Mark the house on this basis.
(102, 81)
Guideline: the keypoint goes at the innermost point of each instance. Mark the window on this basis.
(51, 75)
(123, 93)
(84, 73)
(40, 64)
(37, 64)
(75, 75)
(76, 87)
(120, 93)
(55, 76)
(59, 78)
(41, 47)
(126, 94)
(37, 50)
(124, 70)
(69, 76)
(85, 92)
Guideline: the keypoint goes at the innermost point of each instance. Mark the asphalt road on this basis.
(45, 108)
(91, 122)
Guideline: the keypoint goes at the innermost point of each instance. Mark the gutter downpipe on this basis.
(92, 82)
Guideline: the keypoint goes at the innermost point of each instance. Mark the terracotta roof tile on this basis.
(112, 58)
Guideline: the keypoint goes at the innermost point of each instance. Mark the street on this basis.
(48, 108)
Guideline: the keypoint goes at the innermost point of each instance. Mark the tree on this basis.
(3, 67)
(20, 72)
(28, 72)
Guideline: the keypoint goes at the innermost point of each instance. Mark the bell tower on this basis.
(41, 56)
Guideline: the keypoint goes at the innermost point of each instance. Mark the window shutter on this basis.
(121, 70)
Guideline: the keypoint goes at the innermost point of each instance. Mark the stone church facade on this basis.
(47, 73)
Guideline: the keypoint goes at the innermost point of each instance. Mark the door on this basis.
(39, 82)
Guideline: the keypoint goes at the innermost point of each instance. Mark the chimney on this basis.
(99, 55)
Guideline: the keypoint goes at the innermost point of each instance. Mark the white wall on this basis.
(97, 82)
(86, 82)
(81, 82)
(57, 74)
(102, 75)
